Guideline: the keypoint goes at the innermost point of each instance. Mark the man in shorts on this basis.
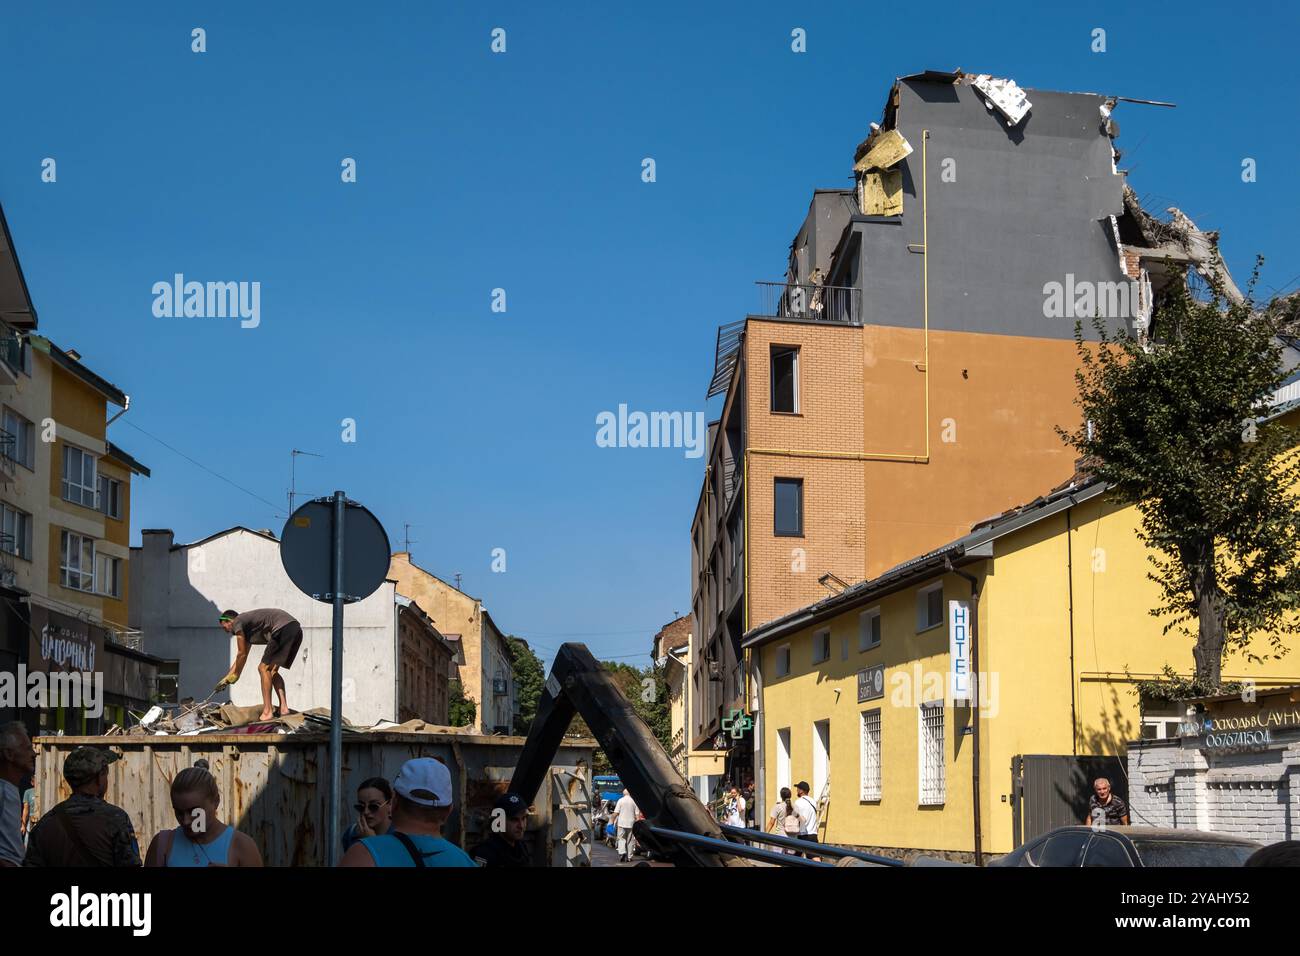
(281, 634)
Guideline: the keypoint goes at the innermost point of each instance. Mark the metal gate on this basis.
(1052, 790)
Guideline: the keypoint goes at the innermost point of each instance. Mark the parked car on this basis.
(1130, 846)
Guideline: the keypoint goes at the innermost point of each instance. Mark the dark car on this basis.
(1130, 846)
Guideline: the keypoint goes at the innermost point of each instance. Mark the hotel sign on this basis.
(871, 683)
(959, 624)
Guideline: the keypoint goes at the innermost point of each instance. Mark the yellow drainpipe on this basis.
(860, 456)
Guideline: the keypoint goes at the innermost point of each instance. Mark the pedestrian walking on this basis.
(806, 811)
(783, 818)
(625, 813)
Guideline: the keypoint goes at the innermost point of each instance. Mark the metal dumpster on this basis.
(275, 787)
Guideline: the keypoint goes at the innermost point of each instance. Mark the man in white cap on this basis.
(421, 805)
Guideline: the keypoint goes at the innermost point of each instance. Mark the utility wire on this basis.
(198, 464)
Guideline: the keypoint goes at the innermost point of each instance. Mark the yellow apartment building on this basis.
(856, 696)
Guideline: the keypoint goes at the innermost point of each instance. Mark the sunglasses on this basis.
(372, 807)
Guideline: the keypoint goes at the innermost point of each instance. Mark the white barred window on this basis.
(930, 754)
(871, 755)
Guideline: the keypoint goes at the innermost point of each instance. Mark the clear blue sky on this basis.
(519, 171)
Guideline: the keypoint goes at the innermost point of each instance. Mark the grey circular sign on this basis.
(307, 550)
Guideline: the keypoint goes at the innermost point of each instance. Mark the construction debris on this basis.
(1003, 95)
(208, 718)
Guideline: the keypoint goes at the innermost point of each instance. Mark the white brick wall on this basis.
(1256, 796)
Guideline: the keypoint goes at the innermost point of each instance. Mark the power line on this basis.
(198, 464)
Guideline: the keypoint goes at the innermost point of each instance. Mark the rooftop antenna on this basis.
(407, 535)
(293, 472)
(457, 580)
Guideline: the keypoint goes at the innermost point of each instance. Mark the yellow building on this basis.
(856, 698)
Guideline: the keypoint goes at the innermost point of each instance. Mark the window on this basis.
(930, 756)
(79, 485)
(76, 561)
(821, 769)
(869, 629)
(783, 661)
(788, 521)
(870, 755)
(16, 537)
(785, 379)
(110, 496)
(821, 644)
(108, 578)
(929, 607)
(22, 448)
(1106, 851)
(1064, 849)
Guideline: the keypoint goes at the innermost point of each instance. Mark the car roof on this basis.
(1168, 834)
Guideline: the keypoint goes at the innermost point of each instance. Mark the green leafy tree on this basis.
(647, 690)
(461, 710)
(1176, 426)
(529, 679)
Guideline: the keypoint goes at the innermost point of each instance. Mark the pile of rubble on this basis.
(190, 720)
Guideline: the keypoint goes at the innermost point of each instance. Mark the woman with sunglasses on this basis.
(374, 811)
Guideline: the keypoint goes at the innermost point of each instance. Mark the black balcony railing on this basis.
(839, 305)
(11, 347)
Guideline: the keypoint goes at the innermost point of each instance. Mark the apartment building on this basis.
(482, 657)
(65, 510)
(907, 376)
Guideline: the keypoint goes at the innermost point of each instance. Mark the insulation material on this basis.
(1004, 96)
(889, 148)
(881, 193)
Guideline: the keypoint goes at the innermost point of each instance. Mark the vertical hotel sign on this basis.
(959, 651)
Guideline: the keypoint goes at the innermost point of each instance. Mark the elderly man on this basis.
(1105, 808)
(85, 829)
(17, 760)
(421, 805)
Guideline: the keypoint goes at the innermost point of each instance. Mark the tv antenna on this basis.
(293, 472)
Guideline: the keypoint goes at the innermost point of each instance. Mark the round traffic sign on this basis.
(307, 550)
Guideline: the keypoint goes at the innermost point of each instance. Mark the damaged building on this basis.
(905, 379)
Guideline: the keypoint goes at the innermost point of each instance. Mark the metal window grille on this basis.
(931, 754)
(871, 755)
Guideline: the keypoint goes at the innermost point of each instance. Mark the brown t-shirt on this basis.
(261, 625)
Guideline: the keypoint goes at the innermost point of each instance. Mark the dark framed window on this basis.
(788, 497)
(785, 378)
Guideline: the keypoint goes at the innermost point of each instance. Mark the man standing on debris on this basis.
(17, 760)
(421, 805)
(505, 844)
(282, 635)
(84, 830)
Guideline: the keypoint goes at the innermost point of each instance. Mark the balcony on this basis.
(8, 457)
(832, 304)
(11, 354)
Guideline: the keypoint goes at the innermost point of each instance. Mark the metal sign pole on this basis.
(336, 686)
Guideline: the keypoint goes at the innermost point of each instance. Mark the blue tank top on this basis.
(387, 850)
(185, 852)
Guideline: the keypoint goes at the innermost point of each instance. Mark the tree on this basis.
(647, 690)
(1177, 426)
(529, 679)
(461, 710)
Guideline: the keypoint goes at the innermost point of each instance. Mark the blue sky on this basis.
(519, 171)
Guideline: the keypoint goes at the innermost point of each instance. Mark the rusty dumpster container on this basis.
(275, 787)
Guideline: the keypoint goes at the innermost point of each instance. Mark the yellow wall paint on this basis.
(1025, 650)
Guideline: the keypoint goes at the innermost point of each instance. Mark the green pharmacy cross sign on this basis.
(737, 723)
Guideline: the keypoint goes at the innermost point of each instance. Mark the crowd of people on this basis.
(398, 824)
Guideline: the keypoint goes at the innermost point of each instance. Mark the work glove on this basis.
(225, 682)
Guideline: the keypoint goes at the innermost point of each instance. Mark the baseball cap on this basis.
(425, 781)
(86, 763)
(511, 804)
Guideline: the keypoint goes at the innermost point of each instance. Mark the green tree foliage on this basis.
(1175, 425)
(647, 690)
(461, 710)
(529, 679)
